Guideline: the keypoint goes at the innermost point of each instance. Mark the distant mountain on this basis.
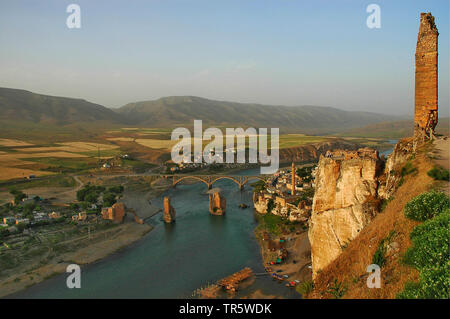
(182, 110)
(25, 106)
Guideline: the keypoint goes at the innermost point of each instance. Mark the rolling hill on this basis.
(182, 110)
(25, 106)
(20, 106)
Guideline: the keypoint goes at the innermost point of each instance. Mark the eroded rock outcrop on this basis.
(312, 152)
(345, 201)
(217, 203)
(392, 171)
(169, 212)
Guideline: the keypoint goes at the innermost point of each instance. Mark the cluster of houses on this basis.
(37, 217)
(283, 195)
(281, 183)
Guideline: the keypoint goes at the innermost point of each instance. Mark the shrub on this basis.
(439, 174)
(408, 169)
(270, 205)
(429, 254)
(337, 289)
(426, 206)
(116, 189)
(379, 256)
(305, 287)
(430, 243)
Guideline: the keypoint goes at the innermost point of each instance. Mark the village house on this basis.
(9, 220)
(116, 213)
(54, 215)
(24, 221)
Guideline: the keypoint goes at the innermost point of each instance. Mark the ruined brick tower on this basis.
(217, 203)
(426, 93)
(169, 211)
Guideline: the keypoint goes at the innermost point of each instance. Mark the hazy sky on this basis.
(288, 52)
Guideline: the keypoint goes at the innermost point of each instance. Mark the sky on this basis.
(281, 52)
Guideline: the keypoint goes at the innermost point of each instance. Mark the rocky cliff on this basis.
(312, 152)
(392, 172)
(345, 201)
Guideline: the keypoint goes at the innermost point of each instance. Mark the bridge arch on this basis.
(209, 180)
(206, 181)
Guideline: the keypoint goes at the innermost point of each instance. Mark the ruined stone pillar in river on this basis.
(169, 211)
(426, 85)
(217, 204)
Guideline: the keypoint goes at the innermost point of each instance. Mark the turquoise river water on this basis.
(173, 260)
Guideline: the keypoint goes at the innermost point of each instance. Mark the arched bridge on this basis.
(209, 180)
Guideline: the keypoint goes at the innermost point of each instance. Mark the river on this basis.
(173, 260)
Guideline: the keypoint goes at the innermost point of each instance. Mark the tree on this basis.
(18, 196)
(109, 199)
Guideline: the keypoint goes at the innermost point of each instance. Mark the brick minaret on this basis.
(293, 179)
(426, 92)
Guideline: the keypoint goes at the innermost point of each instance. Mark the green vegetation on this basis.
(379, 258)
(18, 196)
(306, 194)
(430, 248)
(439, 174)
(337, 289)
(90, 194)
(426, 206)
(270, 206)
(258, 186)
(65, 165)
(305, 173)
(274, 224)
(305, 287)
(385, 202)
(407, 169)
(50, 181)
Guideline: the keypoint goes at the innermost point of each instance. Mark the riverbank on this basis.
(291, 238)
(99, 246)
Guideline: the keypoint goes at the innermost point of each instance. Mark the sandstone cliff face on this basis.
(345, 201)
(399, 156)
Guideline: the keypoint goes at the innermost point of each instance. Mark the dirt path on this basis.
(442, 151)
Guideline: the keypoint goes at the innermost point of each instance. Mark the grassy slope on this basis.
(350, 267)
